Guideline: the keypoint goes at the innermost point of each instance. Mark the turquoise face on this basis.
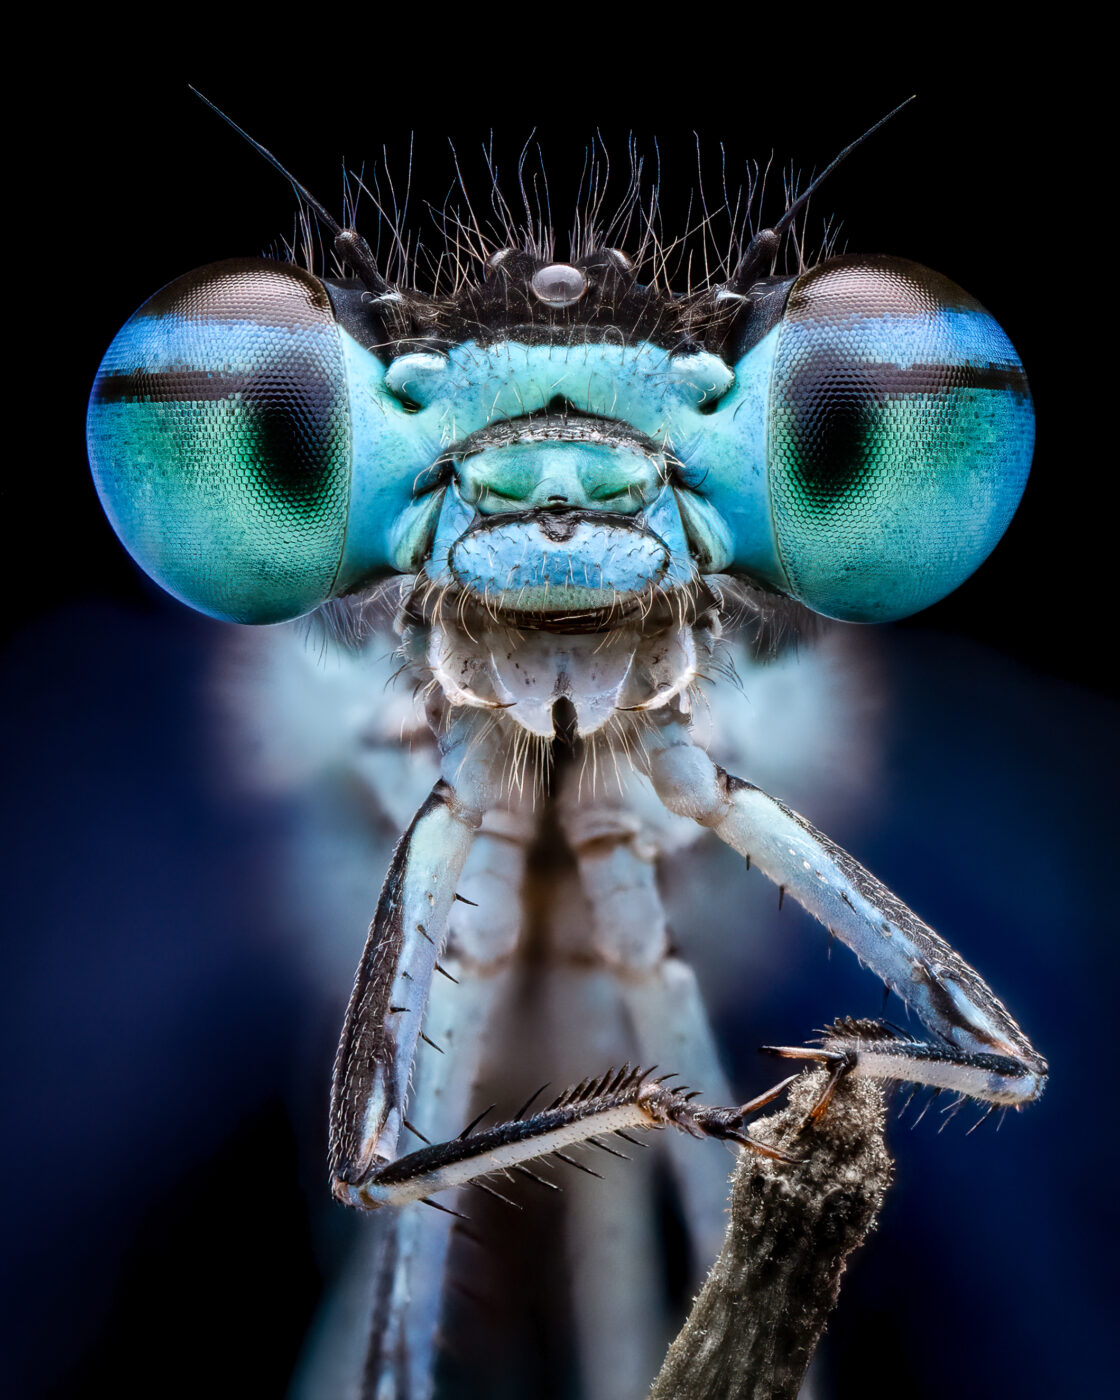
(861, 450)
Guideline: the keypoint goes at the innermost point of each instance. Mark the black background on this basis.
(124, 1277)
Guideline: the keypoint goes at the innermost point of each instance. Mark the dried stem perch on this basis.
(756, 1322)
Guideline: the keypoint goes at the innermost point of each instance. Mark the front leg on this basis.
(986, 1055)
(383, 1019)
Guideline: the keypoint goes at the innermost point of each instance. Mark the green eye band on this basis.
(899, 438)
(219, 434)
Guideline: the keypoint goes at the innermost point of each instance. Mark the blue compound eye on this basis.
(899, 437)
(219, 435)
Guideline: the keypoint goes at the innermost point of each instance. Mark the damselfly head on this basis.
(561, 447)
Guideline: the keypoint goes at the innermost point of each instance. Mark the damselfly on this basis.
(589, 507)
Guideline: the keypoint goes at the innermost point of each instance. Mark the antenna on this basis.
(349, 244)
(763, 247)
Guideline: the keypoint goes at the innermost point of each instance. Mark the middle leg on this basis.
(630, 936)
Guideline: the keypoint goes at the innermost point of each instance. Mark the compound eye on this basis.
(900, 437)
(219, 436)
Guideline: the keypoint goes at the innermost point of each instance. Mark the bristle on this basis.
(606, 1147)
(435, 1205)
(540, 1180)
(571, 1162)
(528, 1103)
(489, 1191)
(475, 1121)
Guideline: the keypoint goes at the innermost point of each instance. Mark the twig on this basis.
(756, 1322)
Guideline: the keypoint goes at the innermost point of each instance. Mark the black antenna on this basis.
(349, 245)
(763, 247)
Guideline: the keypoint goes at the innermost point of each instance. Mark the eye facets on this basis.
(558, 284)
(219, 436)
(899, 437)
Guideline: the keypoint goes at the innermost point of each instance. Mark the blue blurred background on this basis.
(165, 1063)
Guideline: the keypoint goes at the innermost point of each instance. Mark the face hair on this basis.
(418, 305)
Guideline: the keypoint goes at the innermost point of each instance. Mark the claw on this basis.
(726, 1124)
(841, 1063)
(842, 1066)
(764, 1149)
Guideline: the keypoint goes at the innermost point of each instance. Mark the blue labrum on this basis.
(859, 443)
(523, 568)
